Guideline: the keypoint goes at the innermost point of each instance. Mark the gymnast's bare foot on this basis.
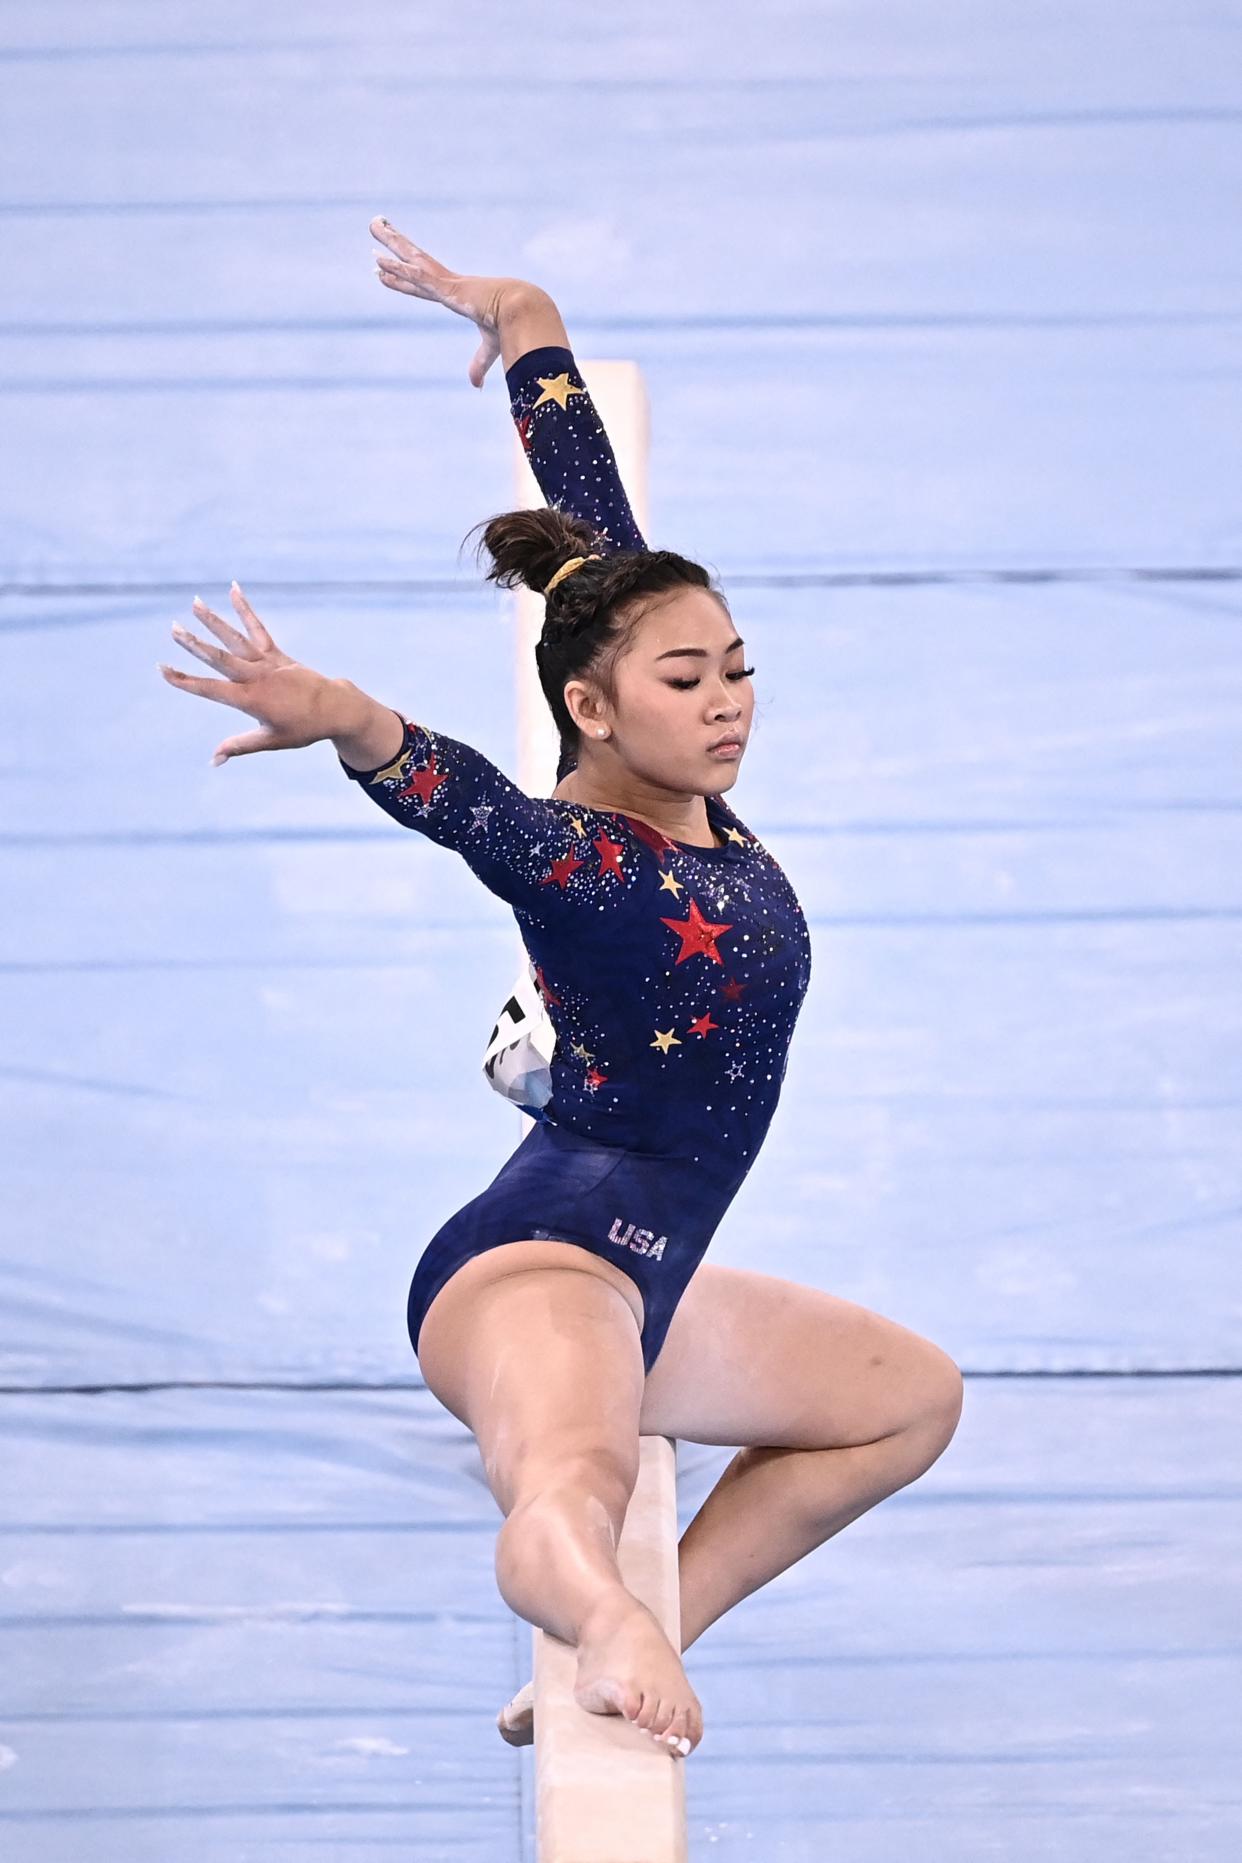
(516, 1719)
(626, 1665)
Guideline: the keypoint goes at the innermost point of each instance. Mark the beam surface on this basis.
(605, 1792)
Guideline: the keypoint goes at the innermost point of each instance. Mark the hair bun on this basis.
(533, 547)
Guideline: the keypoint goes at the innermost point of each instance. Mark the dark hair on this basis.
(592, 613)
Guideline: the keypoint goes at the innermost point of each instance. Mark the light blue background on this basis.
(939, 312)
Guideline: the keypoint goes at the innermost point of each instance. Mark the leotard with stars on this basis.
(673, 974)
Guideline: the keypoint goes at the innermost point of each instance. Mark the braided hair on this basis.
(591, 614)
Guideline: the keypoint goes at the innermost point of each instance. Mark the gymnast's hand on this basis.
(294, 704)
(406, 267)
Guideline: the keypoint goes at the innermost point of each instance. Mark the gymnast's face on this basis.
(680, 686)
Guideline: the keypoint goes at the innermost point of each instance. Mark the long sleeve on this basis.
(546, 858)
(549, 859)
(567, 444)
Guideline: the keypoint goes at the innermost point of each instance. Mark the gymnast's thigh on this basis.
(536, 1348)
(754, 1360)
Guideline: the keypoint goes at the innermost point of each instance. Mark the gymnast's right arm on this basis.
(535, 854)
(368, 735)
(542, 858)
(293, 704)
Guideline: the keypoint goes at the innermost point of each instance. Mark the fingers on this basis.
(398, 278)
(245, 662)
(243, 746)
(223, 630)
(411, 279)
(222, 690)
(403, 247)
(406, 267)
(228, 663)
(250, 620)
(483, 358)
(389, 236)
(251, 659)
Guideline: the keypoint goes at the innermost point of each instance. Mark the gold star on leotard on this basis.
(669, 883)
(396, 768)
(556, 388)
(664, 1040)
(732, 834)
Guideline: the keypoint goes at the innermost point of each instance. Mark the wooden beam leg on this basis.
(604, 1791)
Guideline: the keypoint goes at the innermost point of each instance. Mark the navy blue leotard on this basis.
(673, 974)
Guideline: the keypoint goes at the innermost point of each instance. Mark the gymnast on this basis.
(567, 1309)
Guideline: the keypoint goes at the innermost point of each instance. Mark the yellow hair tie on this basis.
(567, 569)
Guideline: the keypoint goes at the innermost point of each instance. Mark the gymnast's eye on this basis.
(684, 685)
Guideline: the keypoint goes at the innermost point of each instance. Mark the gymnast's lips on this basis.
(731, 737)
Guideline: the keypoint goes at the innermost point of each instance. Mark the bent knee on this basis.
(941, 1393)
(606, 1472)
(603, 1477)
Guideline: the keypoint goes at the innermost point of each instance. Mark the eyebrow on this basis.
(695, 653)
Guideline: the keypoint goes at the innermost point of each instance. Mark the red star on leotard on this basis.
(595, 1079)
(698, 935)
(654, 838)
(523, 427)
(733, 989)
(425, 782)
(608, 852)
(560, 870)
(703, 1024)
(549, 993)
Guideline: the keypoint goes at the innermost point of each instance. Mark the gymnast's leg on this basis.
(544, 1365)
(837, 1408)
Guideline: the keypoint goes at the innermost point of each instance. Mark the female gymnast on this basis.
(567, 1308)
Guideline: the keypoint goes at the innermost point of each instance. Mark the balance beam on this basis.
(605, 1792)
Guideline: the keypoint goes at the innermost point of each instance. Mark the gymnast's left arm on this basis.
(559, 425)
